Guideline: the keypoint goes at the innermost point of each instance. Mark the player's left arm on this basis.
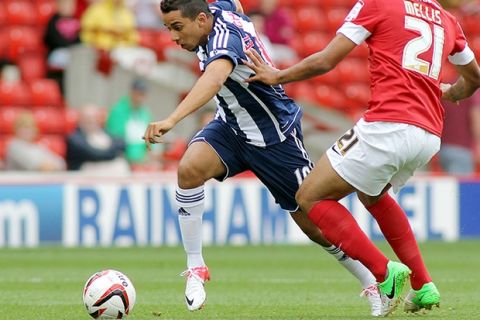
(206, 87)
(466, 85)
(313, 65)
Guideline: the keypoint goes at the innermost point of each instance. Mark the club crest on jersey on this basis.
(355, 11)
(248, 42)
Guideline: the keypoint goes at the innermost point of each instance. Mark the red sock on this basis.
(341, 229)
(395, 227)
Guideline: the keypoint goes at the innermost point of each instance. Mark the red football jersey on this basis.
(409, 43)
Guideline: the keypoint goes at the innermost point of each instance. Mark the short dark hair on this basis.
(188, 8)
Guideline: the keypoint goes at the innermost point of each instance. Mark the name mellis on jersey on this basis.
(424, 12)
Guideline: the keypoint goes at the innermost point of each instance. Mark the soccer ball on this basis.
(109, 294)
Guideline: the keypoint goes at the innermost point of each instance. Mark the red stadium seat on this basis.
(8, 115)
(20, 13)
(310, 43)
(3, 15)
(336, 17)
(297, 4)
(308, 19)
(329, 96)
(46, 92)
(14, 94)
(357, 95)
(50, 120)
(32, 66)
(56, 143)
(4, 42)
(345, 4)
(23, 40)
(302, 91)
(45, 10)
(71, 120)
(354, 70)
(148, 38)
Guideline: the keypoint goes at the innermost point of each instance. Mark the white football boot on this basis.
(195, 294)
(373, 297)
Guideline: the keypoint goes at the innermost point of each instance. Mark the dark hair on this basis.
(188, 8)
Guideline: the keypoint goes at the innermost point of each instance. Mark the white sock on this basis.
(190, 211)
(355, 267)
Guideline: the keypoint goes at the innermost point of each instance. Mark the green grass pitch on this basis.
(252, 282)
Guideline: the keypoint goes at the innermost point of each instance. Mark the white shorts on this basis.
(374, 154)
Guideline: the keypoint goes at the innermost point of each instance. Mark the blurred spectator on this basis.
(91, 149)
(147, 13)
(278, 26)
(461, 136)
(25, 154)
(108, 24)
(63, 30)
(279, 30)
(128, 119)
(258, 20)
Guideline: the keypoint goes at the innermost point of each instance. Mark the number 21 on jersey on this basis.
(421, 44)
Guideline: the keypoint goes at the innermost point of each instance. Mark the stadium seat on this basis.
(7, 119)
(56, 143)
(310, 43)
(302, 91)
(3, 15)
(308, 19)
(32, 66)
(71, 119)
(50, 120)
(23, 40)
(3, 42)
(329, 96)
(20, 13)
(46, 92)
(45, 9)
(353, 70)
(344, 4)
(14, 94)
(297, 4)
(357, 95)
(335, 18)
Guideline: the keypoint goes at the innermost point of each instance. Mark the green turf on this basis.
(266, 282)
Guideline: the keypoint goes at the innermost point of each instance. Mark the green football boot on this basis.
(425, 298)
(391, 289)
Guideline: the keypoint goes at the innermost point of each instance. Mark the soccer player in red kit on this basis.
(409, 42)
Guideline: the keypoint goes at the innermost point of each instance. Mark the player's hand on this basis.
(446, 94)
(156, 130)
(264, 72)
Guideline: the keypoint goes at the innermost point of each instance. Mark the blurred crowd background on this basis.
(81, 79)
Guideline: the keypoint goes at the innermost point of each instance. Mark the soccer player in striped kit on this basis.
(257, 127)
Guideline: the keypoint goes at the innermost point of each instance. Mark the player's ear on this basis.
(202, 18)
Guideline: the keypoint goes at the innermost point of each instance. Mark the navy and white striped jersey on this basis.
(261, 114)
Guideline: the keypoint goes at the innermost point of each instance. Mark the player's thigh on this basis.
(281, 167)
(199, 164)
(321, 184)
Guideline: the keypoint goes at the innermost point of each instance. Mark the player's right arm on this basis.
(206, 87)
(466, 85)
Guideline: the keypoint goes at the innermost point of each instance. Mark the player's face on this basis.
(187, 33)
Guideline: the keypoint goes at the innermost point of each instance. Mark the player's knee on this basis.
(302, 199)
(189, 176)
